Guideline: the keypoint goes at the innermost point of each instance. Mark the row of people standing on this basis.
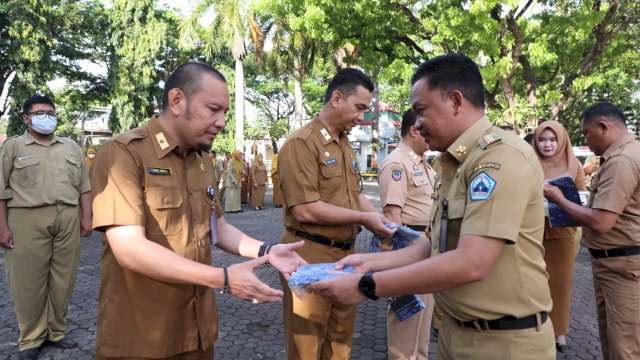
(243, 182)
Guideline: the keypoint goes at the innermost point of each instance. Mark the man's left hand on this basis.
(285, 259)
(343, 289)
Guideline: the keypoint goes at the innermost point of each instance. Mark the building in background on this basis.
(389, 121)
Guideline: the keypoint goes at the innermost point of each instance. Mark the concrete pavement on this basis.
(255, 331)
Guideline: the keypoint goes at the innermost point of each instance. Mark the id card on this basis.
(406, 306)
(214, 229)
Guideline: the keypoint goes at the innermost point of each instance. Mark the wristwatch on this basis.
(367, 286)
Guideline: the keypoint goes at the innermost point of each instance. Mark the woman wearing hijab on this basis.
(553, 148)
(233, 183)
(245, 192)
(259, 180)
(278, 200)
(91, 154)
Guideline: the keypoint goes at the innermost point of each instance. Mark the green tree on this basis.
(137, 37)
(228, 29)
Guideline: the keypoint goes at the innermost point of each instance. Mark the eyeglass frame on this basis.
(42, 112)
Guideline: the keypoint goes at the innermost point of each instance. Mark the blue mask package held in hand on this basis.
(402, 238)
(308, 274)
(405, 306)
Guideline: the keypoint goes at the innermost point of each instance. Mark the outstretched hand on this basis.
(244, 284)
(285, 259)
(343, 289)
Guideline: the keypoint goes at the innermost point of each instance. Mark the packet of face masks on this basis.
(308, 274)
(408, 305)
(402, 238)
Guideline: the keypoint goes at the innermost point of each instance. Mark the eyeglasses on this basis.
(42, 112)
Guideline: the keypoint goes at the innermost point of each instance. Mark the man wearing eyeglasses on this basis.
(45, 206)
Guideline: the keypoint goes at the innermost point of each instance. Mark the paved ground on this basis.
(255, 331)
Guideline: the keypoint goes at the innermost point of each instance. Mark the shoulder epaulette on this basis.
(304, 132)
(125, 138)
(489, 139)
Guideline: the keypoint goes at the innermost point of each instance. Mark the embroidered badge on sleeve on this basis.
(481, 186)
(396, 173)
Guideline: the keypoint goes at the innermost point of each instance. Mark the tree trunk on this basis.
(298, 75)
(239, 94)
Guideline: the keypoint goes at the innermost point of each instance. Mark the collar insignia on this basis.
(162, 141)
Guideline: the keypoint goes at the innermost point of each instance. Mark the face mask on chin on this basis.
(44, 124)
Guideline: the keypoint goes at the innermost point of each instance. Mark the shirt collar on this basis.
(469, 139)
(617, 144)
(415, 158)
(162, 141)
(31, 139)
(324, 133)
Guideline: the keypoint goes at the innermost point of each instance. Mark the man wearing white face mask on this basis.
(45, 206)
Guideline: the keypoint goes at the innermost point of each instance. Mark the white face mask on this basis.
(44, 124)
(91, 156)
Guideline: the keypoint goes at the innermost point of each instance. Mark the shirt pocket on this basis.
(330, 180)
(455, 212)
(164, 211)
(26, 172)
(73, 170)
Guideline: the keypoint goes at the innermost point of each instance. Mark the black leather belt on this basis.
(505, 323)
(345, 245)
(615, 252)
(417, 227)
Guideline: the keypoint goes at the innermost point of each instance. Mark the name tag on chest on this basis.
(158, 171)
(330, 161)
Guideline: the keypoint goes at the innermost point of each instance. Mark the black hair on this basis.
(603, 109)
(507, 127)
(408, 120)
(453, 72)
(529, 138)
(346, 81)
(36, 99)
(187, 77)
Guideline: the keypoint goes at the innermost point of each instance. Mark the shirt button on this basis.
(167, 201)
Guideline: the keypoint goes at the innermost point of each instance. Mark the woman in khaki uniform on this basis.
(233, 183)
(259, 180)
(278, 200)
(553, 147)
(245, 191)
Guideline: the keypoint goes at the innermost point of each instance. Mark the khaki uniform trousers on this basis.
(317, 328)
(616, 282)
(41, 269)
(458, 343)
(206, 354)
(409, 339)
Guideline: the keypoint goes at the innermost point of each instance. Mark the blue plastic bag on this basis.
(402, 238)
(308, 274)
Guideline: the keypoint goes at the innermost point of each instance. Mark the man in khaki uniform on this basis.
(611, 226)
(45, 206)
(154, 198)
(487, 270)
(324, 207)
(406, 183)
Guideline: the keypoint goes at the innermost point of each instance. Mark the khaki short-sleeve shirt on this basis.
(493, 184)
(406, 180)
(615, 187)
(36, 174)
(259, 173)
(315, 166)
(142, 178)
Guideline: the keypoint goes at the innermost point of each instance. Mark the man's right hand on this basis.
(375, 222)
(6, 239)
(243, 283)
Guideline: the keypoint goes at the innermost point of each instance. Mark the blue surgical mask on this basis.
(44, 124)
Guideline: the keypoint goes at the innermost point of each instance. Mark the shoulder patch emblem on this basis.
(481, 187)
(486, 165)
(396, 175)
